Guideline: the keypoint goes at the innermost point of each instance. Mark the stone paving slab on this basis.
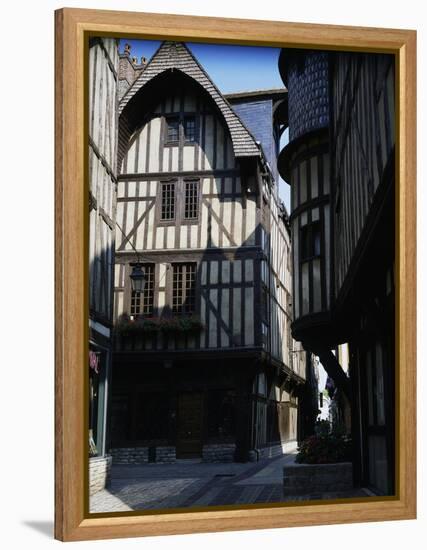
(145, 495)
(268, 474)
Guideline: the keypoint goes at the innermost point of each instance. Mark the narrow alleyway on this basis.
(191, 483)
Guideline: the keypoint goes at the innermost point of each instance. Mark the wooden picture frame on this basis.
(72, 521)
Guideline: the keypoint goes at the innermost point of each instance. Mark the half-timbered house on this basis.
(340, 165)
(204, 364)
(102, 124)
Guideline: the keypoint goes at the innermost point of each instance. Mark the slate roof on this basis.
(270, 93)
(175, 55)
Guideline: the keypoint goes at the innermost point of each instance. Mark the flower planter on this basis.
(186, 324)
(305, 479)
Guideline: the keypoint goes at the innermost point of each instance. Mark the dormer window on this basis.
(180, 130)
(189, 128)
(172, 125)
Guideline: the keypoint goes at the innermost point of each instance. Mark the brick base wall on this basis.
(99, 473)
(130, 455)
(165, 454)
(212, 452)
(141, 455)
(220, 452)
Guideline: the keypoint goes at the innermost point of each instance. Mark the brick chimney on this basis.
(129, 69)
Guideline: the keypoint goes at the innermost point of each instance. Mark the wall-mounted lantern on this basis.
(137, 277)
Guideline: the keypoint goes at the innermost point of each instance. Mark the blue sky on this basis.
(232, 69)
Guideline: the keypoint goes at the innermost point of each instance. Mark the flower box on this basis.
(306, 479)
(185, 324)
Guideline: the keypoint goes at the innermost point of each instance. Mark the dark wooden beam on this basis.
(155, 176)
(334, 370)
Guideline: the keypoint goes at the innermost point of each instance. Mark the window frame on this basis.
(179, 201)
(309, 260)
(182, 140)
(185, 118)
(264, 304)
(195, 308)
(162, 183)
(152, 282)
(167, 140)
(307, 231)
(197, 181)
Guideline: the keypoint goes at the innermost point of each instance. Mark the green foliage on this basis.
(322, 427)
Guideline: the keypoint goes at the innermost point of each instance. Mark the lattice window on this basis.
(190, 128)
(310, 241)
(168, 200)
(191, 209)
(184, 288)
(142, 302)
(172, 129)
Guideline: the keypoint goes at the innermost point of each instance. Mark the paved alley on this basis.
(191, 483)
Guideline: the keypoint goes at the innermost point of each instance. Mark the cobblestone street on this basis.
(191, 483)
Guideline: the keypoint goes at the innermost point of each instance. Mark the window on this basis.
(315, 235)
(312, 296)
(168, 200)
(179, 200)
(177, 128)
(142, 302)
(181, 129)
(184, 288)
(191, 207)
(190, 128)
(310, 241)
(264, 303)
(264, 330)
(172, 129)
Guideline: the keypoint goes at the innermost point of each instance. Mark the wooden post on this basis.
(243, 416)
(334, 370)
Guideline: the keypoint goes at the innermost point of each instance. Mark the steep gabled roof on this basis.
(176, 56)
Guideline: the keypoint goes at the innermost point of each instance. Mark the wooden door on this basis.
(190, 421)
